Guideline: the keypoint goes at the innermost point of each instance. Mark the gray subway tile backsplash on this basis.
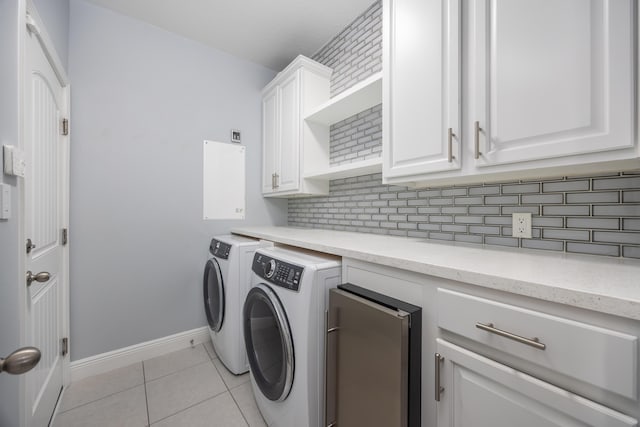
(599, 197)
(616, 183)
(611, 229)
(593, 249)
(631, 196)
(579, 185)
(597, 215)
(631, 224)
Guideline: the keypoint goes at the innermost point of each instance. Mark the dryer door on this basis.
(269, 343)
(213, 288)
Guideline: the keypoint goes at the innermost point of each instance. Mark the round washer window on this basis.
(213, 288)
(268, 342)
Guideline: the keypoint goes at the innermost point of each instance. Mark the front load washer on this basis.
(225, 286)
(283, 321)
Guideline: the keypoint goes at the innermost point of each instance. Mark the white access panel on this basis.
(223, 180)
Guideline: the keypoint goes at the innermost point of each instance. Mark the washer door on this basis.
(213, 288)
(268, 341)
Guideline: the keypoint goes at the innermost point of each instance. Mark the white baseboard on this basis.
(126, 356)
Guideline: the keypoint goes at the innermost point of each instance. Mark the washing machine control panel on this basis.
(219, 249)
(277, 272)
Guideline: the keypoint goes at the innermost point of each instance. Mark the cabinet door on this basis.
(270, 131)
(551, 78)
(479, 392)
(289, 156)
(421, 86)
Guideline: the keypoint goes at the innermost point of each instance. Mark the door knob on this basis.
(20, 361)
(40, 277)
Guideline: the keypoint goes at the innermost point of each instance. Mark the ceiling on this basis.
(269, 32)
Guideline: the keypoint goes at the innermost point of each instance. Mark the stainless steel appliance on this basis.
(373, 361)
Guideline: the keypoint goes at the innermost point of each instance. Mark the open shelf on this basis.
(361, 167)
(359, 97)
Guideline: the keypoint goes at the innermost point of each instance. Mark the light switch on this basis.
(14, 161)
(5, 201)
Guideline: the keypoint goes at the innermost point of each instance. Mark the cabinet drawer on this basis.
(598, 356)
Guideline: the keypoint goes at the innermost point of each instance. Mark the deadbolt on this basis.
(20, 361)
(30, 246)
(40, 277)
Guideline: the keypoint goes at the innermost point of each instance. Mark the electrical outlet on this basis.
(521, 225)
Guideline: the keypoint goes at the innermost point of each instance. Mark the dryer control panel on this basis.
(219, 249)
(277, 272)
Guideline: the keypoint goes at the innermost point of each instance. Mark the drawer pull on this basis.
(533, 342)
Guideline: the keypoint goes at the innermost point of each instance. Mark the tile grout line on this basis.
(238, 405)
(101, 398)
(146, 397)
(181, 369)
(191, 406)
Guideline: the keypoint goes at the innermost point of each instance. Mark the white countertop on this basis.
(608, 285)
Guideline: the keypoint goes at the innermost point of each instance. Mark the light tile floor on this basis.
(189, 388)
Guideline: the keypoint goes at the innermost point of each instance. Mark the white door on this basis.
(421, 87)
(44, 217)
(288, 169)
(479, 392)
(551, 78)
(270, 135)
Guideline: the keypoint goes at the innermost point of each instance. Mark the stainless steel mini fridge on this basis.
(373, 366)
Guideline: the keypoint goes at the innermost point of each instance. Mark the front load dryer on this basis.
(283, 321)
(225, 286)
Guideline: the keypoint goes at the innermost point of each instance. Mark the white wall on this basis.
(143, 100)
(9, 275)
(55, 15)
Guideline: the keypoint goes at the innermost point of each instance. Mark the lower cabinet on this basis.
(496, 359)
(475, 391)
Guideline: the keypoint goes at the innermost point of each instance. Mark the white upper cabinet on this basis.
(548, 89)
(286, 100)
(421, 93)
(552, 78)
(270, 140)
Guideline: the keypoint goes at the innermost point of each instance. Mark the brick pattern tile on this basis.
(570, 215)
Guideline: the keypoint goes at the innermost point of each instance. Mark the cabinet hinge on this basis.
(65, 127)
(65, 346)
(65, 236)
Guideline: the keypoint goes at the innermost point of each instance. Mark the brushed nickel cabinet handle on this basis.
(533, 342)
(477, 130)
(439, 389)
(450, 145)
